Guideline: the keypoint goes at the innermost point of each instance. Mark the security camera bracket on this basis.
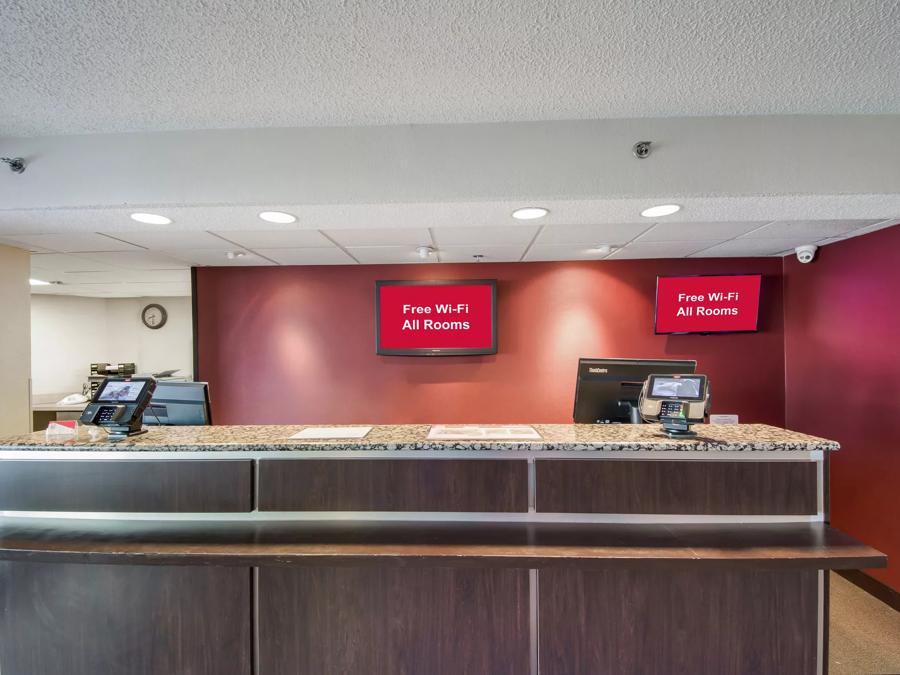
(16, 164)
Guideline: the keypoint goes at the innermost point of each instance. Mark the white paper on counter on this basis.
(326, 433)
(723, 419)
(468, 432)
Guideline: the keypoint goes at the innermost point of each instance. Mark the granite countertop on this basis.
(554, 437)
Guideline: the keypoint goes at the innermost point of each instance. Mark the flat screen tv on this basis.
(707, 304)
(436, 318)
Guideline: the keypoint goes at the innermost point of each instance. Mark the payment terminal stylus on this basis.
(118, 406)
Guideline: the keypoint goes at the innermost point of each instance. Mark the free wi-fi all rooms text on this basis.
(444, 310)
(701, 310)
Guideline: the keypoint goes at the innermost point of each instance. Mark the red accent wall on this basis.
(842, 345)
(297, 344)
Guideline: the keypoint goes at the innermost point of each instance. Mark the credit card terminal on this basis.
(118, 405)
(676, 401)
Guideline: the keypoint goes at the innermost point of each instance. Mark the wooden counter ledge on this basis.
(507, 545)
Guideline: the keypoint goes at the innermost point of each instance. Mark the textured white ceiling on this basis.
(77, 67)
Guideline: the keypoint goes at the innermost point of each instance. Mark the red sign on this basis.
(707, 304)
(436, 318)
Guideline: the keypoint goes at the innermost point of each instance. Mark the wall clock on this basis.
(154, 316)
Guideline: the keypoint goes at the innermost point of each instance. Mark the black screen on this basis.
(677, 387)
(122, 391)
(179, 403)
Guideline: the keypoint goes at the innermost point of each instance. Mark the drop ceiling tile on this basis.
(67, 289)
(874, 227)
(160, 240)
(61, 262)
(307, 256)
(387, 255)
(127, 276)
(125, 290)
(805, 231)
(207, 257)
(747, 248)
(498, 253)
(663, 249)
(74, 242)
(137, 260)
(381, 237)
(697, 231)
(277, 238)
(563, 252)
(610, 233)
(463, 236)
(162, 289)
(9, 241)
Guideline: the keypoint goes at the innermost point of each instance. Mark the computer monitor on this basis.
(179, 404)
(607, 390)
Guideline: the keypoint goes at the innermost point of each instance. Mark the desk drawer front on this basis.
(677, 487)
(393, 485)
(165, 486)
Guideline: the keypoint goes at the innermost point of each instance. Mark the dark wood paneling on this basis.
(92, 485)
(685, 487)
(393, 485)
(124, 620)
(376, 621)
(591, 546)
(658, 622)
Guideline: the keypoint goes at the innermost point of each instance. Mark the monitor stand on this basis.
(634, 412)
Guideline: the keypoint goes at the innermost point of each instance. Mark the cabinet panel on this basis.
(393, 485)
(384, 621)
(656, 622)
(70, 619)
(140, 486)
(676, 487)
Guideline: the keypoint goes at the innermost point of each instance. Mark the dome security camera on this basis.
(641, 149)
(805, 254)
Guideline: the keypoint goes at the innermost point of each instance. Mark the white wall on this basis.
(15, 345)
(152, 350)
(69, 333)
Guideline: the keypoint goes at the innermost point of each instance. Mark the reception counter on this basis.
(592, 549)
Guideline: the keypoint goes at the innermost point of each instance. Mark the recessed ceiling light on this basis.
(278, 217)
(151, 219)
(602, 249)
(38, 282)
(233, 255)
(530, 213)
(661, 210)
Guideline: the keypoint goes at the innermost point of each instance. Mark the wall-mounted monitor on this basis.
(436, 318)
(707, 304)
